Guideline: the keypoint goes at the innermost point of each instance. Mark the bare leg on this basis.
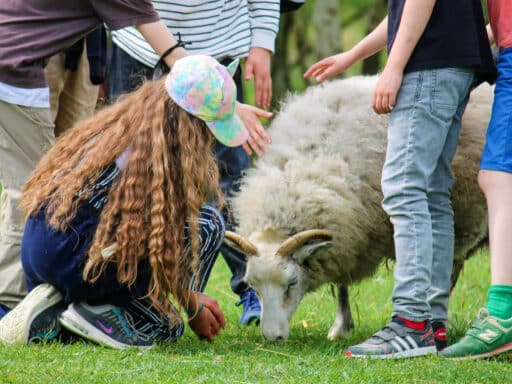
(497, 187)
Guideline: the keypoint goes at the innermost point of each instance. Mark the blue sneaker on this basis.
(252, 308)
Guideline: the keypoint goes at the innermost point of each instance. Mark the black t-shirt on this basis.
(455, 36)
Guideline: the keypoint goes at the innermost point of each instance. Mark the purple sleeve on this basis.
(118, 14)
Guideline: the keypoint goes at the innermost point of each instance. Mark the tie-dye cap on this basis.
(204, 88)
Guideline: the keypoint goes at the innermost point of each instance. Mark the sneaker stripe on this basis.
(404, 342)
(396, 345)
(411, 341)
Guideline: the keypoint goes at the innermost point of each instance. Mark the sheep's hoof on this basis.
(338, 332)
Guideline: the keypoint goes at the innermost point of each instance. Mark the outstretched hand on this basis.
(208, 323)
(258, 137)
(329, 67)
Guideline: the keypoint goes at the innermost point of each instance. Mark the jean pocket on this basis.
(450, 90)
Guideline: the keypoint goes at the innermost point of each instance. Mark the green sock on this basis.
(499, 301)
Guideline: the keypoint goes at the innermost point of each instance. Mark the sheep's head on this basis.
(275, 271)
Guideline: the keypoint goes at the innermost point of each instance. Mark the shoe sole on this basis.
(504, 348)
(416, 352)
(15, 325)
(74, 322)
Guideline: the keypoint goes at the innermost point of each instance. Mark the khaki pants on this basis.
(25, 135)
(72, 95)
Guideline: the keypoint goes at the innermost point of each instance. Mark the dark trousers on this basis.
(124, 74)
(58, 258)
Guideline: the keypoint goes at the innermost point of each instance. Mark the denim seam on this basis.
(419, 87)
(415, 223)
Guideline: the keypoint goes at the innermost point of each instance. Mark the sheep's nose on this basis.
(279, 338)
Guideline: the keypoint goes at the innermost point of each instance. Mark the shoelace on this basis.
(477, 326)
(250, 301)
(126, 322)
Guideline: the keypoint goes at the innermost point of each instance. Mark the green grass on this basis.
(240, 355)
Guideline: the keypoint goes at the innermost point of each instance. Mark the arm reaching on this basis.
(334, 65)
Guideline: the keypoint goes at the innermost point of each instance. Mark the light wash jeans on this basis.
(423, 134)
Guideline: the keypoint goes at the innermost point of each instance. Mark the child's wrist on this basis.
(198, 310)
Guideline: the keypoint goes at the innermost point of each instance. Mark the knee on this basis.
(212, 229)
(484, 181)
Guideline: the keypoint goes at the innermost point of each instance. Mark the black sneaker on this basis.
(35, 318)
(104, 324)
(396, 340)
(440, 337)
(151, 325)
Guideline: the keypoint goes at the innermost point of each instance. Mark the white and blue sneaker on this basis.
(35, 318)
(104, 324)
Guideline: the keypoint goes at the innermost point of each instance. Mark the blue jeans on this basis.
(423, 134)
(124, 74)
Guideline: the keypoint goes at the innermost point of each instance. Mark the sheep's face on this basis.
(279, 283)
(275, 269)
(276, 272)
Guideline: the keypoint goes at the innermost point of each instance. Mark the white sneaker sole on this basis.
(416, 352)
(15, 325)
(74, 322)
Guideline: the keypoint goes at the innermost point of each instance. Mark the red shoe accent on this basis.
(348, 354)
(441, 334)
(417, 325)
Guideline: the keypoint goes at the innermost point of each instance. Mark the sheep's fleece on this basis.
(323, 171)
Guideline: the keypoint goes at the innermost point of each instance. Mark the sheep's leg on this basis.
(343, 323)
(457, 268)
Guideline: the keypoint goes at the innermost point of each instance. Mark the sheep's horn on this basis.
(299, 239)
(245, 245)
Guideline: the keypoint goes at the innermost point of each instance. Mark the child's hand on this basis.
(258, 137)
(330, 66)
(208, 323)
(258, 65)
(386, 90)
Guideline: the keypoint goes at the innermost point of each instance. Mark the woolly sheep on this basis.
(323, 173)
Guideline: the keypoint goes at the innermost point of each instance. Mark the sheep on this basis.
(309, 211)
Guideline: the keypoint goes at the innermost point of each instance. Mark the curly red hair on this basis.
(170, 173)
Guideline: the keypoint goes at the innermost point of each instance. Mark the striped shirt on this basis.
(219, 28)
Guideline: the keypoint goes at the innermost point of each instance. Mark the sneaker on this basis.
(488, 336)
(151, 325)
(252, 309)
(440, 337)
(396, 340)
(35, 318)
(104, 324)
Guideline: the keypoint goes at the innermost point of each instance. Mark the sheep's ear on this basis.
(308, 250)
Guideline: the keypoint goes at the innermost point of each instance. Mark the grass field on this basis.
(240, 355)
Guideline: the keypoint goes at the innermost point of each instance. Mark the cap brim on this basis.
(230, 132)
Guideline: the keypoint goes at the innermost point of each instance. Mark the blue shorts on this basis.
(497, 154)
